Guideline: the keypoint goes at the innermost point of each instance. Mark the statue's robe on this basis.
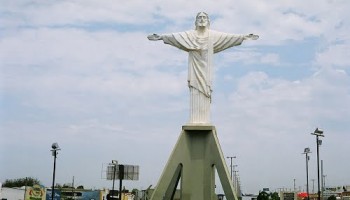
(200, 51)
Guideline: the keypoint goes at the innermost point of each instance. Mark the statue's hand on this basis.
(154, 37)
(251, 37)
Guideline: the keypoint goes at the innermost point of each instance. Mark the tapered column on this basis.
(192, 164)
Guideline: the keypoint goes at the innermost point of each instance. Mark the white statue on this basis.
(201, 44)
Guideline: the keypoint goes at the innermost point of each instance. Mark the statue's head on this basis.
(202, 20)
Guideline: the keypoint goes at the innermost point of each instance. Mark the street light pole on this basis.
(115, 164)
(231, 157)
(324, 182)
(306, 152)
(294, 185)
(54, 150)
(236, 181)
(318, 133)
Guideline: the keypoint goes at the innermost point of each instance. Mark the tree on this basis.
(332, 197)
(67, 185)
(80, 187)
(263, 196)
(274, 196)
(134, 191)
(27, 181)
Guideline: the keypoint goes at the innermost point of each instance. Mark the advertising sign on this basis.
(129, 172)
(91, 195)
(110, 172)
(288, 195)
(57, 194)
(35, 193)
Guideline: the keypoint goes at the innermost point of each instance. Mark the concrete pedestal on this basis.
(192, 163)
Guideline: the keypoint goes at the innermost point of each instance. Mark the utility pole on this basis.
(236, 181)
(306, 152)
(231, 157)
(322, 180)
(73, 187)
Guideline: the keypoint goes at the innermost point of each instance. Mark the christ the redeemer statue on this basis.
(201, 44)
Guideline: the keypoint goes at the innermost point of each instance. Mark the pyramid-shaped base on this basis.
(192, 163)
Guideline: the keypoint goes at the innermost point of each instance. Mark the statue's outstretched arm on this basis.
(154, 37)
(251, 37)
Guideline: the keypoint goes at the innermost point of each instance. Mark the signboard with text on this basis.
(36, 192)
(288, 196)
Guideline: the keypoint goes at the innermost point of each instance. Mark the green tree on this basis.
(263, 196)
(332, 197)
(66, 186)
(274, 196)
(134, 191)
(80, 187)
(27, 181)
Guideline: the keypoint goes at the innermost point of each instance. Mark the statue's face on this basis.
(202, 20)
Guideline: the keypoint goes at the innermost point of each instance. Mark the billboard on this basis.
(80, 194)
(288, 196)
(128, 172)
(36, 192)
(57, 194)
(131, 172)
(110, 171)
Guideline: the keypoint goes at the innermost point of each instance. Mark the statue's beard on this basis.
(202, 24)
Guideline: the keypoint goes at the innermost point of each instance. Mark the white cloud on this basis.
(267, 122)
(271, 58)
(75, 13)
(335, 55)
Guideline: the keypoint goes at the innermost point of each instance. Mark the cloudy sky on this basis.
(83, 74)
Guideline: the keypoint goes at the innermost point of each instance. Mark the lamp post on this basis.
(232, 170)
(115, 164)
(231, 157)
(324, 182)
(294, 185)
(306, 152)
(318, 133)
(54, 150)
(236, 183)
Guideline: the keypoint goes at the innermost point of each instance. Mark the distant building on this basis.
(60, 194)
(12, 193)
